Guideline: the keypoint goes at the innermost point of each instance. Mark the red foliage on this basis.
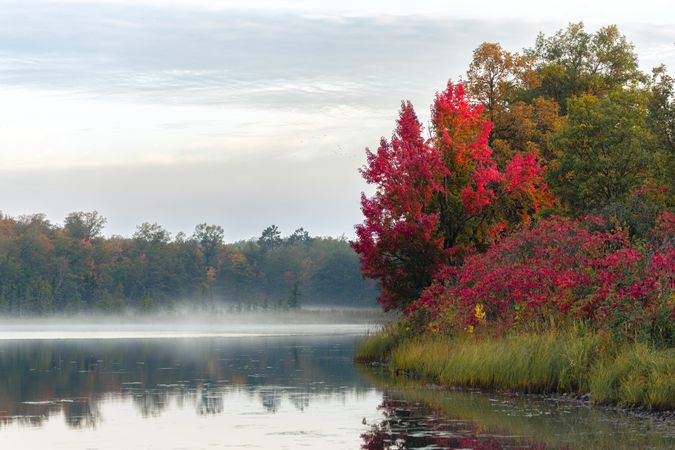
(559, 268)
(438, 200)
(665, 226)
(398, 242)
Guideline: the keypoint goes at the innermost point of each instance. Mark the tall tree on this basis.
(270, 238)
(436, 200)
(574, 62)
(84, 225)
(399, 242)
(152, 233)
(495, 74)
(209, 238)
(502, 82)
(661, 122)
(604, 150)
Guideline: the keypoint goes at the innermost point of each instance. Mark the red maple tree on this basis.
(438, 199)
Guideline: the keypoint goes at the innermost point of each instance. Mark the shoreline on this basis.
(584, 400)
(629, 377)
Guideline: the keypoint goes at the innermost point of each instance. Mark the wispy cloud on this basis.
(223, 57)
(126, 89)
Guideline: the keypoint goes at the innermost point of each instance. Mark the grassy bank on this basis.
(633, 375)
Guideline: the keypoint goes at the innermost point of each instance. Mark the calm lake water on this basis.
(282, 387)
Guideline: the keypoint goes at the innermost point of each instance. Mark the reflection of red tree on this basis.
(419, 426)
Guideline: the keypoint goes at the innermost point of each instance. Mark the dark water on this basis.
(268, 391)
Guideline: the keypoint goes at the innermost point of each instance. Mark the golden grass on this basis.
(377, 347)
(573, 362)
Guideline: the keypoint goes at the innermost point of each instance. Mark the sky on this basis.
(242, 114)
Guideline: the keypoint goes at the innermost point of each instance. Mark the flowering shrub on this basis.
(562, 270)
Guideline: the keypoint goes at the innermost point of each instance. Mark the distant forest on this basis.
(47, 268)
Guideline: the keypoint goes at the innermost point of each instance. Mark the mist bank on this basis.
(185, 316)
(48, 269)
(187, 323)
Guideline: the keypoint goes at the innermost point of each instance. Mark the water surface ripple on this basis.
(271, 387)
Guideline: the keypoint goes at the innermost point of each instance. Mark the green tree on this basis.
(299, 236)
(270, 238)
(209, 238)
(574, 62)
(84, 225)
(604, 150)
(661, 122)
(152, 233)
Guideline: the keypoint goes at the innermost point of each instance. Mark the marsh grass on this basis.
(378, 346)
(555, 362)
(637, 376)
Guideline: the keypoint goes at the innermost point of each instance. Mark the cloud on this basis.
(652, 11)
(180, 113)
(193, 56)
(179, 55)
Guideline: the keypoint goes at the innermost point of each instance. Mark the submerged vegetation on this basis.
(529, 242)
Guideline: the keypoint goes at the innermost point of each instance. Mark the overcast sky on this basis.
(240, 113)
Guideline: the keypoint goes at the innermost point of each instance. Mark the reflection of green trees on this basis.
(210, 402)
(80, 414)
(41, 378)
(551, 424)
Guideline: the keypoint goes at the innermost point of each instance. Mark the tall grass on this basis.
(573, 362)
(377, 347)
(637, 376)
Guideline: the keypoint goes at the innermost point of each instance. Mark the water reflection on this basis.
(417, 417)
(270, 392)
(416, 426)
(39, 379)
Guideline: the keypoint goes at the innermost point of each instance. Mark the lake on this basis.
(266, 386)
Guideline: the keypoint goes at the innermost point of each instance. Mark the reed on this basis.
(378, 346)
(572, 362)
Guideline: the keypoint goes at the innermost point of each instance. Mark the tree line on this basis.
(46, 267)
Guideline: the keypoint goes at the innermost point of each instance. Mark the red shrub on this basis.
(559, 269)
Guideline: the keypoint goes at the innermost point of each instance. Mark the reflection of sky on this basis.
(329, 423)
(78, 374)
(271, 392)
(181, 112)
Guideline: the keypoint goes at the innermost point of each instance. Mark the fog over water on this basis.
(183, 324)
